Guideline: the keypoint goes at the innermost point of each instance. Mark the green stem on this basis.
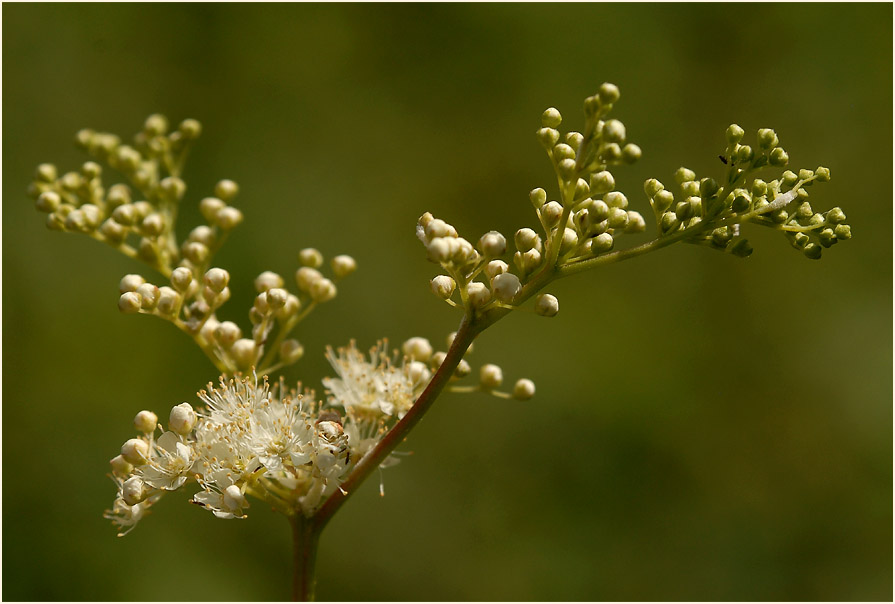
(305, 538)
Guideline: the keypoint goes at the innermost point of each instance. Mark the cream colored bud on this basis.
(418, 373)
(204, 234)
(48, 201)
(182, 419)
(527, 239)
(547, 305)
(181, 278)
(551, 118)
(227, 218)
(478, 293)
(291, 350)
(190, 128)
(306, 276)
(531, 260)
(450, 341)
(173, 187)
(210, 206)
(145, 422)
(310, 257)
(227, 333)
(168, 301)
(217, 279)
(276, 298)
(439, 228)
(133, 490)
(130, 283)
(636, 223)
(289, 309)
(130, 302)
(226, 190)
(551, 213)
(463, 369)
(120, 466)
(418, 349)
(343, 265)
(267, 280)
(496, 267)
(135, 451)
(195, 252)
(490, 377)
(443, 286)
(46, 173)
(243, 352)
(323, 290)
(523, 390)
(92, 215)
(437, 359)
(492, 244)
(506, 286)
(440, 249)
(569, 240)
(149, 294)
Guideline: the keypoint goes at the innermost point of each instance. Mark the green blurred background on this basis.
(705, 428)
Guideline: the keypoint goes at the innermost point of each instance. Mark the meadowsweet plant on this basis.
(251, 437)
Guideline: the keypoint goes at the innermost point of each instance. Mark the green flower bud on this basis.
(598, 211)
(155, 125)
(581, 188)
(551, 118)
(173, 188)
(538, 197)
(548, 137)
(804, 211)
(652, 186)
(310, 257)
(789, 178)
(721, 236)
(574, 140)
(636, 223)
(662, 201)
(608, 93)
(684, 209)
(759, 187)
(827, 237)
(631, 153)
(612, 152)
(226, 190)
(614, 131)
(708, 187)
(48, 201)
(800, 240)
(822, 174)
(601, 243)
(616, 199)
(690, 188)
(563, 151)
(767, 138)
(744, 154)
(669, 222)
(190, 129)
(741, 248)
(602, 182)
(806, 174)
(682, 175)
(836, 216)
(734, 134)
(812, 251)
(740, 204)
(842, 231)
(778, 157)
(618, 218)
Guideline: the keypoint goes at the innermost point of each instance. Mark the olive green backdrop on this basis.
(705, 427)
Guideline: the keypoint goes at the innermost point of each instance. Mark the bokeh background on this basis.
(706, 428)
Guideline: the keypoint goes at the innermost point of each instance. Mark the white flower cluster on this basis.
(280, 446)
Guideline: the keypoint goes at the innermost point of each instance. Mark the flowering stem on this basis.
(305, 538)
(466, 333)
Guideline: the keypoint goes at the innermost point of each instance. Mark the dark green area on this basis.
(706, 428)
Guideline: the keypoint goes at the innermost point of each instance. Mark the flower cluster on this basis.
(582, 224)
(139, 220)
(281, 446)
(710, 214)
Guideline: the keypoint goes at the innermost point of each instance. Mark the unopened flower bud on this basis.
(267, 280)
(226, 190)
(538, 197)
(195, 252)
(228, 217)
(149, 295)
(418, 373)
(463, 369)
(130, 283)
(418, 349)
(210, 206)
(443, 286)
(683, 175)
(182, 419)
(190, 129)
(614, 131)
(48, 201)
(289, 309)
(608, 93)
(343, 265)
(527, 239)
(523, 390)
(551, 213)
(217, 279)
(602, 182)
(120, 466)
(778, 157)
(130, 302)
(135, 451)
(478, 293)
(822, 174)
(631, 153)
(506, 286)
(616, 199)
(227, 333)
(652, 186)
(168, 301)
(495, 267)
(492, 244)
(437, 359)
(133, 490)
(305, 277)
(636, 223)
(547, 137)
(551, 118)
(310, 257)
(767, 138)
(145, 422)
(547, 305)
(490, 377)
(734, 134)
(276, 298)
(323, 290)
